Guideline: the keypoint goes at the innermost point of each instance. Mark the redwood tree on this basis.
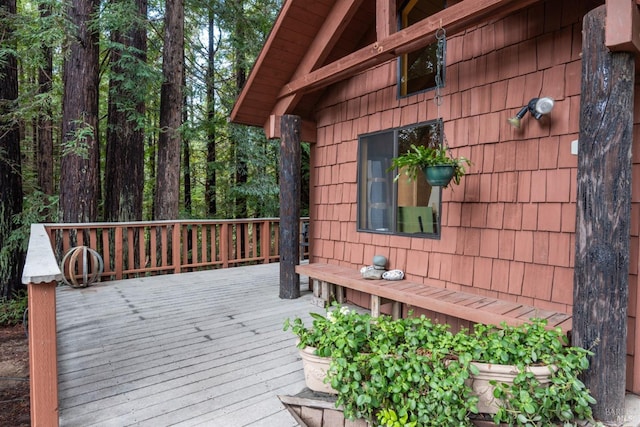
(171, 100)
(45, 125)
(79, 173)
(125, 129)
(11, 257)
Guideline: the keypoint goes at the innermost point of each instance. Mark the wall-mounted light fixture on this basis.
(538, 107)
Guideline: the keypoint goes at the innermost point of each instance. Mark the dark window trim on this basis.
(438, 225)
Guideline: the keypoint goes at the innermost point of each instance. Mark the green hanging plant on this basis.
(421, 157)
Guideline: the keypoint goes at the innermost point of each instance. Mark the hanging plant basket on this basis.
(439, 175)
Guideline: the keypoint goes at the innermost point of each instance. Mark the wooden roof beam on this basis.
(386, 22)
(454, 19)
(622, 28)
(322, 45)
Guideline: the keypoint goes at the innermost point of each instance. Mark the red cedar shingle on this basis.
(538, 186)
(528, 61)
(495, 215)
(568, 218)
(524, 186)
(507, 187)
(508, 58)
(527, 155)
(541, 248)
(516, 94)
(506, 249)
(417, 263)
(562, 286)
(633, 297)
(512, 216)
(559, 249)
(549, 217)
(558, 185)
(538, 280)
(516, 275)
(488, 41)
(479, 215)
(523, 249)
(565, 158)
(470, 242)
(482, 272)
(530, 216)
(500, 276)
(489, 243)
(548, 154)
(545, 45)
(515, 28)
(560, 118)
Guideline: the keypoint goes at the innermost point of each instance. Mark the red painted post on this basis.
(41, 273)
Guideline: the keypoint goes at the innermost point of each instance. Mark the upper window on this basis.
(418, 69)
(399, 206)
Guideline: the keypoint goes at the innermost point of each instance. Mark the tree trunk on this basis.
(603, 217)
(45, 129)
(125, 137)
(210, 186)
(289, 207)
(168, 173)
(11, 261)
(79, 174)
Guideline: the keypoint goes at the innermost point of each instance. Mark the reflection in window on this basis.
(418, 69)
(402, 206)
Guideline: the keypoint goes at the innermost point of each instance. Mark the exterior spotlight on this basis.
(538, 107)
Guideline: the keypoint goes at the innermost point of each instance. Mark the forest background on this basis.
(118, 110)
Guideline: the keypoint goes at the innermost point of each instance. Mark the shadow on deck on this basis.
(192, 349)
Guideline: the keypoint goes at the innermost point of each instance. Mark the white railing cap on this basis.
(41, 265)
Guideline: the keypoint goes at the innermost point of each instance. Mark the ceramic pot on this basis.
(480, 383)
(315, 370)
(439, 175)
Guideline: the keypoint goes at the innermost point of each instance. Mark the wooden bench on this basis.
(330, 280)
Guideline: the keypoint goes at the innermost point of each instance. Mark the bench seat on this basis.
(463, 305)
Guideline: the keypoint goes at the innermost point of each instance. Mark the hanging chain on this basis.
(441, 39)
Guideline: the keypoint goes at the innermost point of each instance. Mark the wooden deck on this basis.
(192, 349)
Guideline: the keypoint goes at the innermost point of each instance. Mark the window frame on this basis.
(393, 231)
(402, 62)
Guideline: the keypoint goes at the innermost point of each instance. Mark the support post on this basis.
(43, 369)
(603, 217)
(289, 206)
(41, 275)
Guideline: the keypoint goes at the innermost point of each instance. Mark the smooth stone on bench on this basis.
(393, 275)
(373, 274)
(380, 261)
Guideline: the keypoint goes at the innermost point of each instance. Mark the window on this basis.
(418, 69)
(396, 206)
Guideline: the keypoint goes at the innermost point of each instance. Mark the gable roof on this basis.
(301, 37)
(316, 43)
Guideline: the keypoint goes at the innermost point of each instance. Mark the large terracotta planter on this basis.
(315, 371)
(480, 383)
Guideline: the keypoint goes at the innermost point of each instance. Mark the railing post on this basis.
(41, 273)
(265, 243)
(43, 369)
(119, 251)
(175, 243)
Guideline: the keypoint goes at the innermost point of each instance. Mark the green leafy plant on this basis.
(12, 310)
(419, 157)
(406, 377)
(528, 402)
(413, 372)
(341, 332)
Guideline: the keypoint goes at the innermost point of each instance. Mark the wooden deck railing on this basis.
(146, 248)
(128, 250)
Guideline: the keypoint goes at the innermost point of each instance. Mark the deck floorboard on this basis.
(193, 349)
